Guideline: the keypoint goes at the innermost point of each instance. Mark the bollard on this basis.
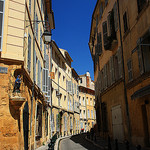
(109, 144)
(116, 144)
(127, 144)
(138, 147)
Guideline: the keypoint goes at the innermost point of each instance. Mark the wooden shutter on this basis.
(29, 53)
(44, 80)
(115, 11)
(140, 56)
(39, 69)
(120, 62)
(69, 86)
(46, 61)
(112, 70)
(41, 39)
(101, 10)
(34, 65)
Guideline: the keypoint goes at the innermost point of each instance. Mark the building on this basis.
(24, 114)
(76, 107)
(87, 102)
(135, 35)
(106, 51)
(119, 44)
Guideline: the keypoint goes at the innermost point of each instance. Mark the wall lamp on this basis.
(46, 36)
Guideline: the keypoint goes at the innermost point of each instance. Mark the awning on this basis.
(142, 92)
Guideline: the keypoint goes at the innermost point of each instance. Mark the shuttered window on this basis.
(41, 39)
(41, 6)
(36, 27)
(34, 75)
(45, 80)
(70, 106)
(125, 22)
(108, 74)
(105, 77)
(99, 44)
(115, 10)
(111, 62)
(53, 122)
(92, 114)
(106, 2)
(57, 122)
(29, 53)
(2, 4)
(39, 74)
(69, 86)
(105, 32)
(140, 56)
(116, 66)
(44, 50)
(101, 11)
(129, 65)
(30, 6)
(88, 113)
(120, 62)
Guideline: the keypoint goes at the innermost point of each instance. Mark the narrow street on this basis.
(77, 142)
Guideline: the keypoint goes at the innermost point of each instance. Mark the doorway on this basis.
(26, 125)
(117, 123)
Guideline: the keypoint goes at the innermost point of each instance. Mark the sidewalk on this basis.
(103, 144)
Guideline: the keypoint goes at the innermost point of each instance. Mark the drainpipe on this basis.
(33, 79)
(51, 89)
(125, 90)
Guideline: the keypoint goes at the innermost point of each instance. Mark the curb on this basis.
(56, 147)
(101, 147)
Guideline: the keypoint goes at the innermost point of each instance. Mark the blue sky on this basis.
(72, 31)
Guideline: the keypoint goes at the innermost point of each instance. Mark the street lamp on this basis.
(46, 36)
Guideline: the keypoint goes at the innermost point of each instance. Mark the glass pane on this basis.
(1, 21)
(1, 6)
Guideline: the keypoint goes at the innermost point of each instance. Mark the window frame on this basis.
(1, 36)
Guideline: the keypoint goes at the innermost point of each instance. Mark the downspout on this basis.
(51, 89)
(33, 81)
(125, 90)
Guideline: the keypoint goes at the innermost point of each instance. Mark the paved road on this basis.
(77, 142)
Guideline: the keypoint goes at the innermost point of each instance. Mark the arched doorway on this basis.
(26, 125)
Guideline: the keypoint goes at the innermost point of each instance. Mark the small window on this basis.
(125, 22)
(129, 65)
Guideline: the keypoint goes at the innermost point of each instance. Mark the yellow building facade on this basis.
(87, 102)
(119, 44)
(22, 53)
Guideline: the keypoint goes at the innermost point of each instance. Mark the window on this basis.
(30, 6)
(83, 101)
(45, 80)
(46, 123)
(143, 50)
(29, 53)
(125, 22)
(80, 80)
(41, 39)
(107, 43)
(129, 65)
(101, 11)
(106, 2)
(92, 114)
(91, 101)
(1, 21)
(63, 78)
(87, 101)
(39, 74)
(140, 4)
(88, 113)
(41, 6)
(99, 44)
(36, 27)
(80, 99)
(115, 10)
(64, 97)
